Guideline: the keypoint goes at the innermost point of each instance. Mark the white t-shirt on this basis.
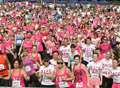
(53, 62)
(88, 52)
(116, 75)
(46, 70)
(65, 53)
(106, 67)
(94, 68)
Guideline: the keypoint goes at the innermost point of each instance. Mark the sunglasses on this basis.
(59, 62)
(46, 61)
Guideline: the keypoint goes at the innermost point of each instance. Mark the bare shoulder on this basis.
(83, 66)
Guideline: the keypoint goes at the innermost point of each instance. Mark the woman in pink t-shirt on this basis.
(104, 46)
(27, 43)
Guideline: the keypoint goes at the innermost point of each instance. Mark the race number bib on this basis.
(63, 84)
(79, 85)
(19, 41)
(16, 84)
(46, 80)
(35, 66)
(27, 68)
(2, 67)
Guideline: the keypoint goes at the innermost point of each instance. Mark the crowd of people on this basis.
(50, 46)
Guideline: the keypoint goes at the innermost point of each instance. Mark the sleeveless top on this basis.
(60, 76)
(80, 76)
(19, 77)
(29, 65)
(36, 58)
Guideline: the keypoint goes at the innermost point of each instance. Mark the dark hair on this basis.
(77, 56)
(117, 43)
(102, 38)
(87, 39)
(95, 53)
(112, 29)
(19, 62)
(116, 59)
(72, 46)
(97, 49)
(29, 32)
(46, 58)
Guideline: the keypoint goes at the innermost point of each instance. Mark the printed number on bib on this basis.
(16, 83)
(35, 66)
(79, 85)
(2, 67)
(19, 41)
(63, 84)
(28, 68)
(46, 80)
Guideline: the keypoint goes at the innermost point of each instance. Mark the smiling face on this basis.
(46, 63)
(77, 59)
(95, 56)
(107, 55)
(16, 64)
(55, 55)
(88, 41)
(114, 63)
(34, 49)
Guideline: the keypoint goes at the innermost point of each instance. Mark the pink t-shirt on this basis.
(101, 56)
(95, 22)
(78, 49)
(44, 33)
(2, 47)
(3, 20)
(28, 27)
(28, 45)
(80, 75)
(50, 45)
(8, 44)
(39, 46)
(62, 75)
(70, 29)
(10, 26)
(43, 21)
(105, 47)
(53, 26)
